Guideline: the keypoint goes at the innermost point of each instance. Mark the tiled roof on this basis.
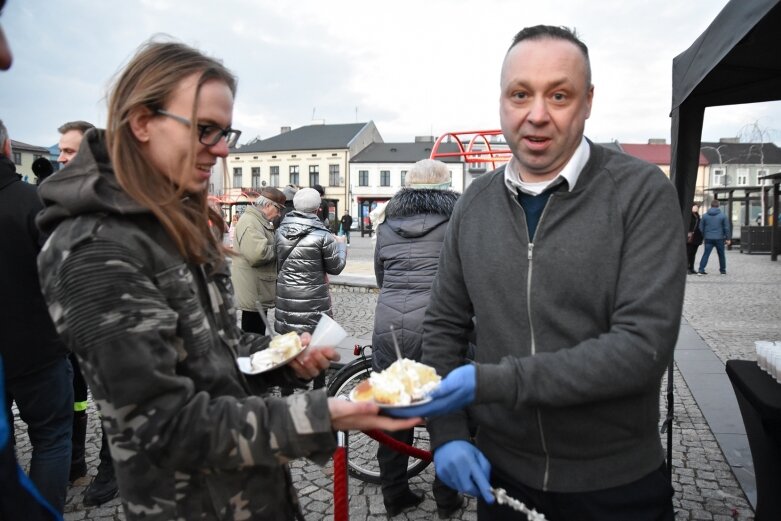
(655, 154)
(741, 153)
(19, 146)
(310, 137)
(403, 152)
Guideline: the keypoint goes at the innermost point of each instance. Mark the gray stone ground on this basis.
(729, 312)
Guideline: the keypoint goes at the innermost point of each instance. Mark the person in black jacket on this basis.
(405, 263)
(37, 372)
(693, 238)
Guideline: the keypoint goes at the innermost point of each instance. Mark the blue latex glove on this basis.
(461, 466)
(456, 391)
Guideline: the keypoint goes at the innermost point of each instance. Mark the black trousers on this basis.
(393, 472)
(691, 252)
(647, 499)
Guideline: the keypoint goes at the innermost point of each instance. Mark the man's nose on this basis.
(538, 111)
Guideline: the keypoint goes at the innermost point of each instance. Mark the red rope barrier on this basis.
(341, 500)
(399, 446)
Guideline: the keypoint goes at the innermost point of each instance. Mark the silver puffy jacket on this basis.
(306, 253)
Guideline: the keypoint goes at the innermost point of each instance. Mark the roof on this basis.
(310, 137)
(18, 146)
(403, 152)
(657, 154)
(612, 145)
(741, 153)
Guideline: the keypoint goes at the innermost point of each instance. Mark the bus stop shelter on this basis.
(735, 61)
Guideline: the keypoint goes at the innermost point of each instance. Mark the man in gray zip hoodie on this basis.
(571, 258)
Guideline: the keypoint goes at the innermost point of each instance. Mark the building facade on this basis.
(379, 171)
(23, 156)
(304, 157)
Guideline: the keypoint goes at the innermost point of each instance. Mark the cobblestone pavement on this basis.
(729, 312)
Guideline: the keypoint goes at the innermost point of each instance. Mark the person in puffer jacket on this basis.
(409, 241)
(306, 253)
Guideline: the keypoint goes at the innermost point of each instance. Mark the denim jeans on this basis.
(45, 403)
(709, 245)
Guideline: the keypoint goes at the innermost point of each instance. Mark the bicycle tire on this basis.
(362, 449)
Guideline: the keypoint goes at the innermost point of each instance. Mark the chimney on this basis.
(657, 141)
(284, 129)
(729, 140)
(424, 139)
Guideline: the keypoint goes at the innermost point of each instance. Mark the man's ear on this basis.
(7, 148)
(139, 119)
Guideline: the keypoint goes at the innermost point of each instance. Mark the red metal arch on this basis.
(475, 146)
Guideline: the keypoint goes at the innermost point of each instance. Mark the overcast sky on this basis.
(422, 67)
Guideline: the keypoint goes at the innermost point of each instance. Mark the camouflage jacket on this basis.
(157, 340)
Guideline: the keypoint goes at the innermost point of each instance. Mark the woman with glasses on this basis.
(254, 269)
(138, 287)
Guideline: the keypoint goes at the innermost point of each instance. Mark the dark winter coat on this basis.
(714, 225)
(306, 253)
(694, 229)
(28, 339)
(405, 263)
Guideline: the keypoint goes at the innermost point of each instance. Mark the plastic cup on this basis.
(327, 333)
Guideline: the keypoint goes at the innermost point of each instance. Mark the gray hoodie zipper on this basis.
(530, 257)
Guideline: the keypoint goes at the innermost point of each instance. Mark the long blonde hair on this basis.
(149, 80)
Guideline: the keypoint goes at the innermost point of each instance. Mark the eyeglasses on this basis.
(208, 135)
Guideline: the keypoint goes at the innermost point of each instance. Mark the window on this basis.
(236, 177)
(255, 177)
(294, 175)
(761, 181)
(719, 178)
(273, 174)
(384, 177)
(363, 178)
(314, 175)
(333, 175)
(17, 158)
(403, 178)
(743, 176)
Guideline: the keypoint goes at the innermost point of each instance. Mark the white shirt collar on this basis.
(570, 173)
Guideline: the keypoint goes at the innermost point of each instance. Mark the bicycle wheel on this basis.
(362, 450)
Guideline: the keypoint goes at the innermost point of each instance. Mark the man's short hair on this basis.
(714, 203)
(539, 32)
(81, 126)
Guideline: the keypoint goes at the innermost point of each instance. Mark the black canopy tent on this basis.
(736, 60)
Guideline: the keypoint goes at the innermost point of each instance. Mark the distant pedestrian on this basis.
(346, 223)
(324, 210)
(103, 487)
(693, 238)
(38, 376)
(409, 243)
(254, 270)
(307, 252)
(715, 230)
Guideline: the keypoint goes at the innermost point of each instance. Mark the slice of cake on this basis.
(403, 383)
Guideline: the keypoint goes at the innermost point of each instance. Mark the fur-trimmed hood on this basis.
(432, 208)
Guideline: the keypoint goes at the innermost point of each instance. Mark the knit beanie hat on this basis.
(306, 200)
